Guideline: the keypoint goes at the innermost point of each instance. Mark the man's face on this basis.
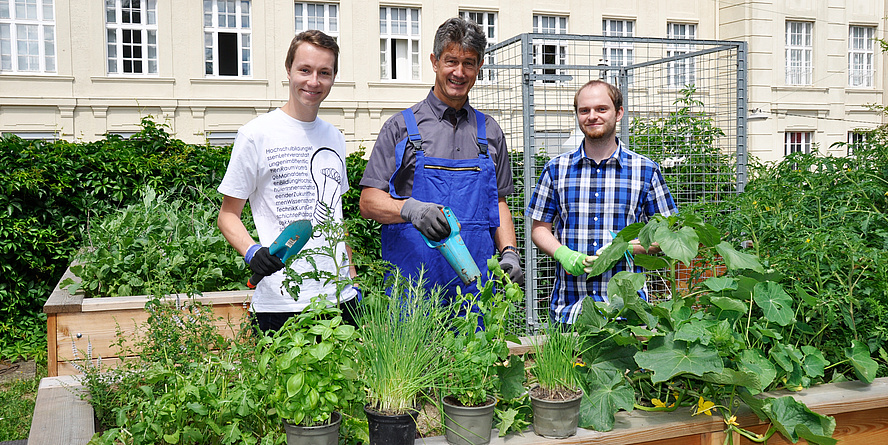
(455, 74)
(311, 79)
(596, 113)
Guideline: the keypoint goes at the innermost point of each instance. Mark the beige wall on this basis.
(82, 102)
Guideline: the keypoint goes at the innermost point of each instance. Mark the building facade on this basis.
(78, 70)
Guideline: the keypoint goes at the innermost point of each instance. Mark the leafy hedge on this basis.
(50, 191)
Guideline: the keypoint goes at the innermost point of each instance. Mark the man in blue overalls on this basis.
(442, 152)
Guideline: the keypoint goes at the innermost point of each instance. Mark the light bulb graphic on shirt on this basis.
(326, 166)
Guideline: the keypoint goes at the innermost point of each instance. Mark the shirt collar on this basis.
(438, 107)
(619, 156)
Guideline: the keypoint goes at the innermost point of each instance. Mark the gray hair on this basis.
(465, 33)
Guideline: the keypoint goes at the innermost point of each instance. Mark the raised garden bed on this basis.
(861, 412)
(75, 323)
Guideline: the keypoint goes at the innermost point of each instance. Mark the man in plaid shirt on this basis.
(590, 193)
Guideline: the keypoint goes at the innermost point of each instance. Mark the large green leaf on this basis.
(728, 304)
(604, 398)
(609, 256)
(775, 303)
(730, 376)
(814, 363)
(511, 378)
(650, 262)
(625, 285)
(752, 360)
(694, 331)
(709, 235)
(738, 260)
(608, 355)
(668, 358)
(864, 366)
(718, 284)
(681, 245)
(787, 414)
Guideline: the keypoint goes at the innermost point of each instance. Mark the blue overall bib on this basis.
(468, 187)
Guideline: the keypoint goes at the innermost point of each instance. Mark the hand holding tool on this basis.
(287, 244)
(454, 249)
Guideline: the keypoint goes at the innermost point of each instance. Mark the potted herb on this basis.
(310, 364)
(556, 397)
(400, 355)
(480, 361)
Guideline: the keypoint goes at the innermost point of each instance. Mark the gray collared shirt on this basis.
(440, 139)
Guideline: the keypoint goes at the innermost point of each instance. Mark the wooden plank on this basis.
(60, 300)
(867, 427)
(61, 417)
(52, 361)
(79, 333)
(237, 297)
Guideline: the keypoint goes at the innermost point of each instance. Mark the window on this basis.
(860, 56)
(320, 16)
(799, 48)
(857, 138)
(549, 52)
(227, 37)
(487, 20)
(399, 43)
(681, 72)
(797, 142)
(131, 33)
(27, 36)
(616, 52)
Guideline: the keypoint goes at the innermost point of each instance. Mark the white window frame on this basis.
(400, 30)
(219, 21)
(28, 26)
(797, 141)
(549, 24)
(488, 22)
(799, 53)
(861, 56)
(617, 53)
(131, 48)
(681, 73)
(321, 16)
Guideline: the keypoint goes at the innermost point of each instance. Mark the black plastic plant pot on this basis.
(385, 429)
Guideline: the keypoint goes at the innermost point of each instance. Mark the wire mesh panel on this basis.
(684, 103)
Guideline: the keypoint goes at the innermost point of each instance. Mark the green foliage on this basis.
(399, 355)
(310, 363)
(730, 335)
(364, 234)
(823, 223)
(157, 240)
(685, 145)
(555, 359)
(17, 398)
(191, 384)
(482, 366)
(50, 190)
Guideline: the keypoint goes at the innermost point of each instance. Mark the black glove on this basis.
(510, 262)
(264, 263)
(427, 217)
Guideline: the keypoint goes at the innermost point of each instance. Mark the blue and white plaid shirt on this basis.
(585, 202)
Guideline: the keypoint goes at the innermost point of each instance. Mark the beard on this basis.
(606, 131)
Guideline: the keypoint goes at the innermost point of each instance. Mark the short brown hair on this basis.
(316, 38)
(614, 93)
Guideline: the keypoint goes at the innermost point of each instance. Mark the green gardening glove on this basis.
(573, 262)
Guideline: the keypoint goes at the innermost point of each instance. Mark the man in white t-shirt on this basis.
(290, 165)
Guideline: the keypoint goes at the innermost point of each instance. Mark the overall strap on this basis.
(414, 139)
(412, 130)
(482, 132)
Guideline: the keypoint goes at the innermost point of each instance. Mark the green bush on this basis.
(49, 191)
(823, 223)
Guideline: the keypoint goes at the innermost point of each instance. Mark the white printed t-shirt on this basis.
(286, 168)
